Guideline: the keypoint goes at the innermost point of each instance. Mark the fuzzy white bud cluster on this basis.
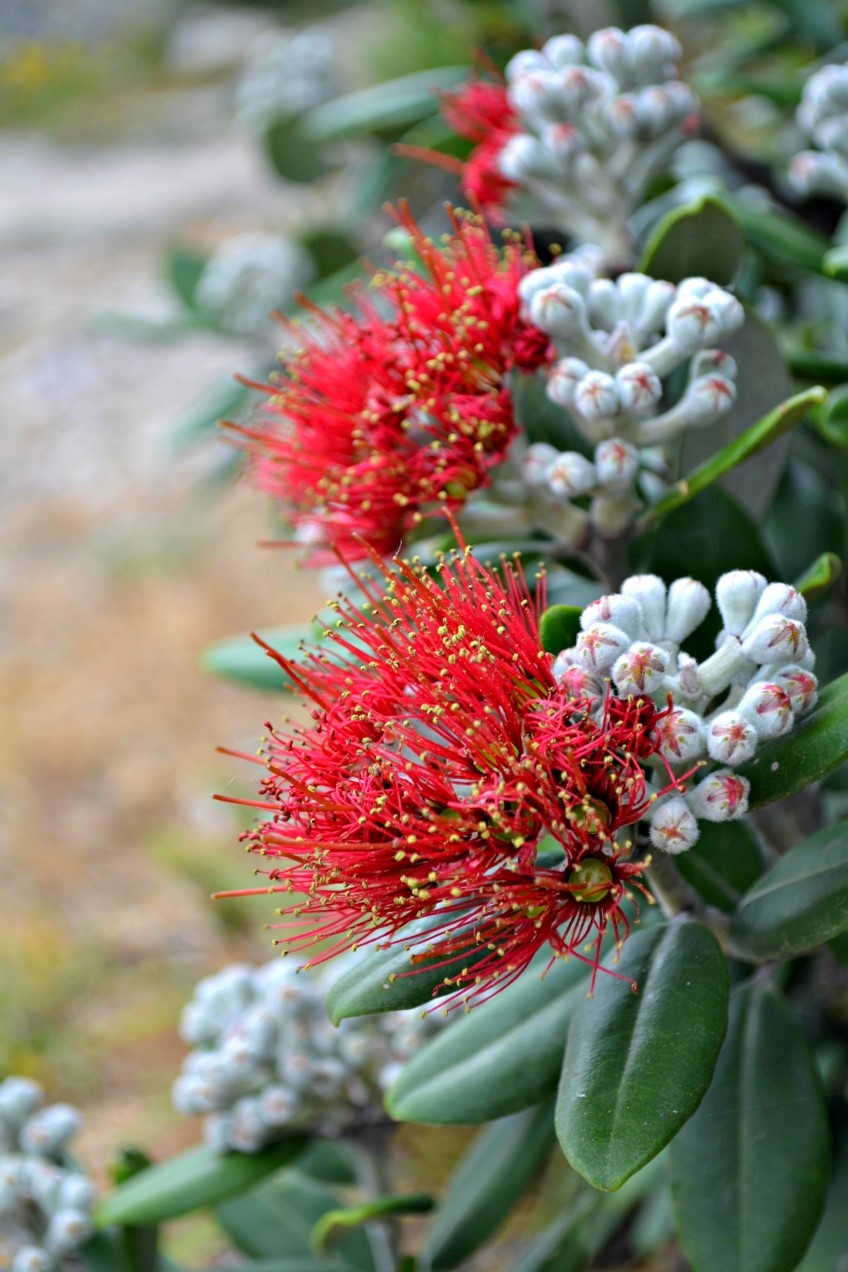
(45, 1207)
(266, 1058)
(754, 687)
(617, 342)
(287, 72)
(250, 276)
(598, 121)
(822, 119)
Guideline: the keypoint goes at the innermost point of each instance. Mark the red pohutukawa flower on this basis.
(480, 111)
(447, 777)
(387, 416)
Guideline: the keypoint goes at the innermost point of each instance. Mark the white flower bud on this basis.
(563, 141)
(713, 361)
(581, 86)
(708, 398)
(563, 50)
(66, 1231)
(687, 676)
(576, 682)
(277, 1105)
(604, 304)
(780, 598)
(688, 605)
(537, 93)
(571, 474)
(535, 463)
(216, 1132)
(655, 306)
(653, 49)
(600, 646)
(801, 686)
(19, 1098)
(731, 739)
(616, 463)
(76, 1192)
(769, 709)
(48, 1131)
(693, 324)
(649, 593)
(559, 310)
(248, 1132)
(596, 396)
(722, 796)
(524, 158)
(639, 388)
(14, 1178)
(681, 735)
(527, 62)
(622, 115)
(30, 1258)
(775, 639)
(44, 1183)
(563, 380)
(641, 669)
(609, 49)
(620, 610)
(673, 826)
(737, 594)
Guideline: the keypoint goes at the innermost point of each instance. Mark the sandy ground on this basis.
(120, 561)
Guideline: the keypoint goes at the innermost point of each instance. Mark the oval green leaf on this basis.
(800, 904)
(491, 1177)
(779, 237)
(723, 864)
(638, 1063)
(749, 1170)
(505, 1055)
(813, 749)
(703, 239)
(387, 979)
(192, 1181)
(559, 626)
(242, 660)
(819, 576)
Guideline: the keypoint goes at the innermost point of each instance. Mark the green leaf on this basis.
(813, 749)
(723, 863)
(387, 980)
(293, 152)
(183, 270)
(282, 1214)
(829, 1247)
(749, 1169)
(820, 576)
(559, 626)
(836, 263)
(224, 399)
(332, 250)
(759, 435)
(335, 1222)
(809, 364)
(192, 1181)
(242, 660)
(393, 104)
(285, 1263)
(702, 239)
(638, 1063)
(779, 237)
(801, 903)
(477, 1069)
(491, 1177)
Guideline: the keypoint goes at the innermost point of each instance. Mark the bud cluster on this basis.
(595, 123)
(761, 670)
(287, 72)
(45, 1207)
(248, 277)
(822, 119)
(617, 341)
(266, 1058)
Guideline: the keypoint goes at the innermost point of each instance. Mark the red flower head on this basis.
(387, 416)
(480, 111)
(447, 777)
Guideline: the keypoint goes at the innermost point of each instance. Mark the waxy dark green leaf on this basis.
(703, 239)
(638, 1063)
(820, 575)
(768, 429)
(388, 980)
(829, 1247)
(800, 904)
(816, 746)
(489, 1181)
(749, 1170)
(723, 864)
(192, 1181)
(477, 1069)
(779, 237)
(559, 626)
(242, 660)
(393, 104)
